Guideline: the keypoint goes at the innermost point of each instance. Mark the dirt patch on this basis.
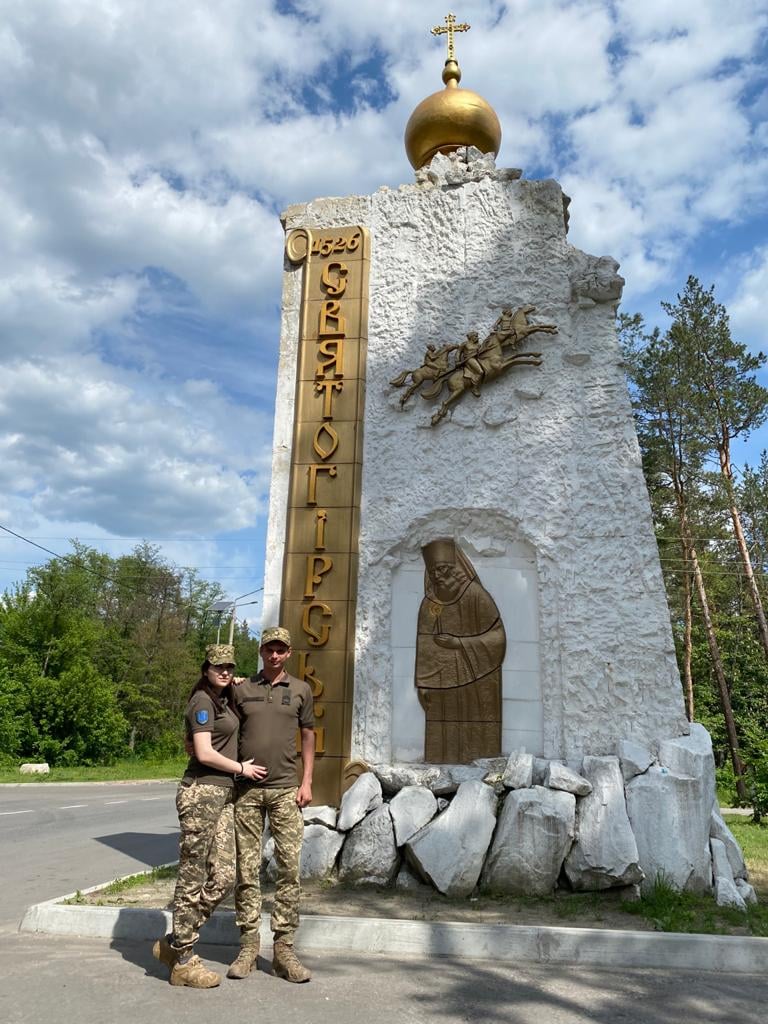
(576, 910)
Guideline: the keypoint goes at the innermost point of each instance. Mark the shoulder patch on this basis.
(201, 717)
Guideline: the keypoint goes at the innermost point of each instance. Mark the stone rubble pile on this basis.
(524, 825)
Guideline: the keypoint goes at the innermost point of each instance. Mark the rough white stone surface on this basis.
(411, 809)
(534, 833)
(320, 815)
(362, 796)
(449, 851)
(394, 777)
(518, 773)
(560, 471)
(728, 895)
(605, 852)
(540, 769)
(721, 867)
(370, 856)
(719, 830)
(406, 881)
(635, 758)
(560, 776)
(319, 851)
(35, 769)
(692, 755)
(666, 812)
(746, 891)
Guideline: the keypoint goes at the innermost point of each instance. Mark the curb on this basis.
(503, 943)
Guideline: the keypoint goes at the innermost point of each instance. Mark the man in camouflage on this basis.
(272, 706)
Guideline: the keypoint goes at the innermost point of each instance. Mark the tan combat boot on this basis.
(194, 974)
(286, 964)
(164, 952)
(245, 960)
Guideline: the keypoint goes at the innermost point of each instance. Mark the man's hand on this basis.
(304, 795)
(237, 680)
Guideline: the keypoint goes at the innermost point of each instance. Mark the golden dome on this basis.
(449, 119)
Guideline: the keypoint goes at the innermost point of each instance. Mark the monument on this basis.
(460, 537)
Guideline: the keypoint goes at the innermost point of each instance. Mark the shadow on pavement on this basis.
(148, 847)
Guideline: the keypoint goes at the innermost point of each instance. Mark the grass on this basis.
(753, 840)
(158, 874)
(671, 911)
(120, 771)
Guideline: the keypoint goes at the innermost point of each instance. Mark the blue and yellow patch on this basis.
(201, 717)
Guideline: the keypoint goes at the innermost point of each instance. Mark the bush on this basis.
(76, 718)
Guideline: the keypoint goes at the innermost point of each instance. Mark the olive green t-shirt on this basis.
(201, 716)
(269, 718)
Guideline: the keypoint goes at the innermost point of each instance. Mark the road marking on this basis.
(18, 812)
(70, 807)
(117, 801)
(154, 798)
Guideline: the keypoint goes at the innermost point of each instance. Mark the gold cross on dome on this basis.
(448, 29)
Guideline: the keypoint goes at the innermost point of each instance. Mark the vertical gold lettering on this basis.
(330, 433)
(328, 386)
(321, 518)
(313, 470)
(317, 567)
(333, 350)
(332, 324)
(338, 286)
(316, 638)
(307, 673)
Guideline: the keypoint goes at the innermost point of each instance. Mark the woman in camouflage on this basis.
(204, 801)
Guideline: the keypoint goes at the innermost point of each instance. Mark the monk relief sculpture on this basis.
(460, 646)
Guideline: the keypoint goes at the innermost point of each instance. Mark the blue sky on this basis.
(148, 147)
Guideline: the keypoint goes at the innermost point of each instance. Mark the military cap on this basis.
(277, 634)
(220, 654)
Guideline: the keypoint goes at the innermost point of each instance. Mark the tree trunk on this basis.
(717, 664)
(754, 593)
(688, 638)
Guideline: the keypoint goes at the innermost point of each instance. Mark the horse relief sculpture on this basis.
(468, 366)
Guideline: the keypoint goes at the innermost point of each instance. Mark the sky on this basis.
(147, 148)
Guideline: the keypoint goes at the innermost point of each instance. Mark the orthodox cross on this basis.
(448, 29)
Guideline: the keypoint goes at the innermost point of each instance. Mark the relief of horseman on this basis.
(475, 362)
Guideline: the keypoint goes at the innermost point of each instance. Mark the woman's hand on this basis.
(256, 772)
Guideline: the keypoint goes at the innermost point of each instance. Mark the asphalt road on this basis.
(54, 839)
(58, 838)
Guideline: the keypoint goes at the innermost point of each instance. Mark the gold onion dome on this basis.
(452, 117)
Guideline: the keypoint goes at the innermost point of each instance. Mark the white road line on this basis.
(154, 798)
(117, 801)
(70, 807)
(18, 812)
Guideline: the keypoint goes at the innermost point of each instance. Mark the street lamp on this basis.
(225, 605)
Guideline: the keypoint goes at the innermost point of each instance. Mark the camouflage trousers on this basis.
(252, 805)
(206, 858)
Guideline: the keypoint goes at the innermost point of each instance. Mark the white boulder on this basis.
(727, 895)
(635, 758)
(666, 812)
(394, 777)
(406, 881)
(319, 851)
(370, 856)
(746, 891)
(320, 815)
(719, 830)
(411, 809)
(518, 773)
(605, 852)
(533, 836)
(35, 769)
(692, 756)
(560, 776)
(362, 796)
(449, 851)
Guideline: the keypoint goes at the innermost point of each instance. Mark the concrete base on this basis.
(501, 943)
